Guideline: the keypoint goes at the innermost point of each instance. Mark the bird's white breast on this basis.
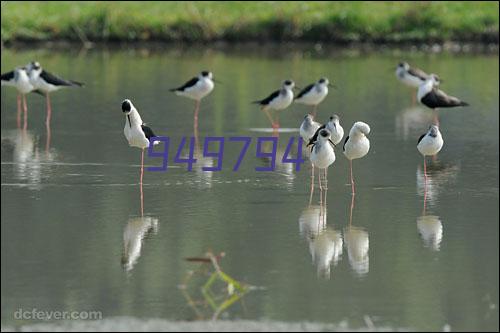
(356, 147)
(429, 145)
(314, 96)
(201, 89)
(282, 101)
(322, 155)
(337, 133)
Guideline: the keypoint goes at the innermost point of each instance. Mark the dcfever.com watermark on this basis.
(37, 314)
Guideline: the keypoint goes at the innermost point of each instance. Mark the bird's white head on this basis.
(404, 65)
(335, 119)
(308, 118)
(206, 75)
(33, 66)
(324, 81)
(433, 130)
(359, 127)
(288, 84)
(324, 134)
(127, 107)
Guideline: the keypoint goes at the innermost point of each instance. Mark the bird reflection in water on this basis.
(411, 121)
(325, 244)
(30, 164)
(430, 226)
(356, 240)
(136, 230)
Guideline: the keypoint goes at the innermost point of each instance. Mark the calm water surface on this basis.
(70, 205)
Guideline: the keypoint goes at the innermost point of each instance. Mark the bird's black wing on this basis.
(57, 81)
(268, 99)
(148, 132)
(345, 141)
(418, 73)
(420, 139)
(313, 139)
(437, 98)
(186, 85)
(8, 76)
(305, 91)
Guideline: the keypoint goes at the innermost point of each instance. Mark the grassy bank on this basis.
(390, 22)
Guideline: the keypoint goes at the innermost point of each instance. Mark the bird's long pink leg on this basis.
(352, 178)
(326, 184)
(142, 174)
(277, 120)
(47, 143)
(312, 183)
(314, 111)
(425, 171)
(320, 187)
(18, 110)
(49, 110)
(195, 120)
(25, 106)
(352, 208)
(436, 118)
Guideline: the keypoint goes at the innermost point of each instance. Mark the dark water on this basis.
(68, 204)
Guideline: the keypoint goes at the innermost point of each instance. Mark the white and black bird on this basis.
(356, 145)
(323, 155)
(278, 100)
(411, 76)
(432, 97)
(44, 83)
(430, 144)
(314, 94)
(136, 132)
(336, 130)
(197, 88)
(308, 128)
(19, 79)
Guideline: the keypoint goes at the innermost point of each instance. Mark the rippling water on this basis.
(73, 238)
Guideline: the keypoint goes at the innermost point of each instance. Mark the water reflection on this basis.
(410, 122)
(438, 175)
(325, 244)
(430, 226)
(136, 230)
(29, 163)
(357, 244)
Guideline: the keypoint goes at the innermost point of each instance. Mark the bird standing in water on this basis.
(429, 144)
(356, 145)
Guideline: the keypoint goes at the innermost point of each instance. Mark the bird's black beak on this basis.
(333, 144)
(216, 81)
(129, 123)
(332, 86)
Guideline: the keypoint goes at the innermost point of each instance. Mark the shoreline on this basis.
(253, 47)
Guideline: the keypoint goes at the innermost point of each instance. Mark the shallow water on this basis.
(70, 206)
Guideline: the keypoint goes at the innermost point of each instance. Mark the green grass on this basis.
(197, 21)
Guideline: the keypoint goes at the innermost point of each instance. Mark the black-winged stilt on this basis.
(432, 97)
(356, 145)
(430, 143)
(278, 100)
(19, 79)
(45, 83)
(314, 94)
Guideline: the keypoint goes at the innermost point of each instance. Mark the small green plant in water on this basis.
(219, 291)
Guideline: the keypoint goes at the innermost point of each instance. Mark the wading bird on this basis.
(137, 134)
(314, 94)
(278, 100)
(432, 97)
(356, 145)
(430, 144)
(196, 88)
(19, 79)
(44, 83)
(322, 156)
